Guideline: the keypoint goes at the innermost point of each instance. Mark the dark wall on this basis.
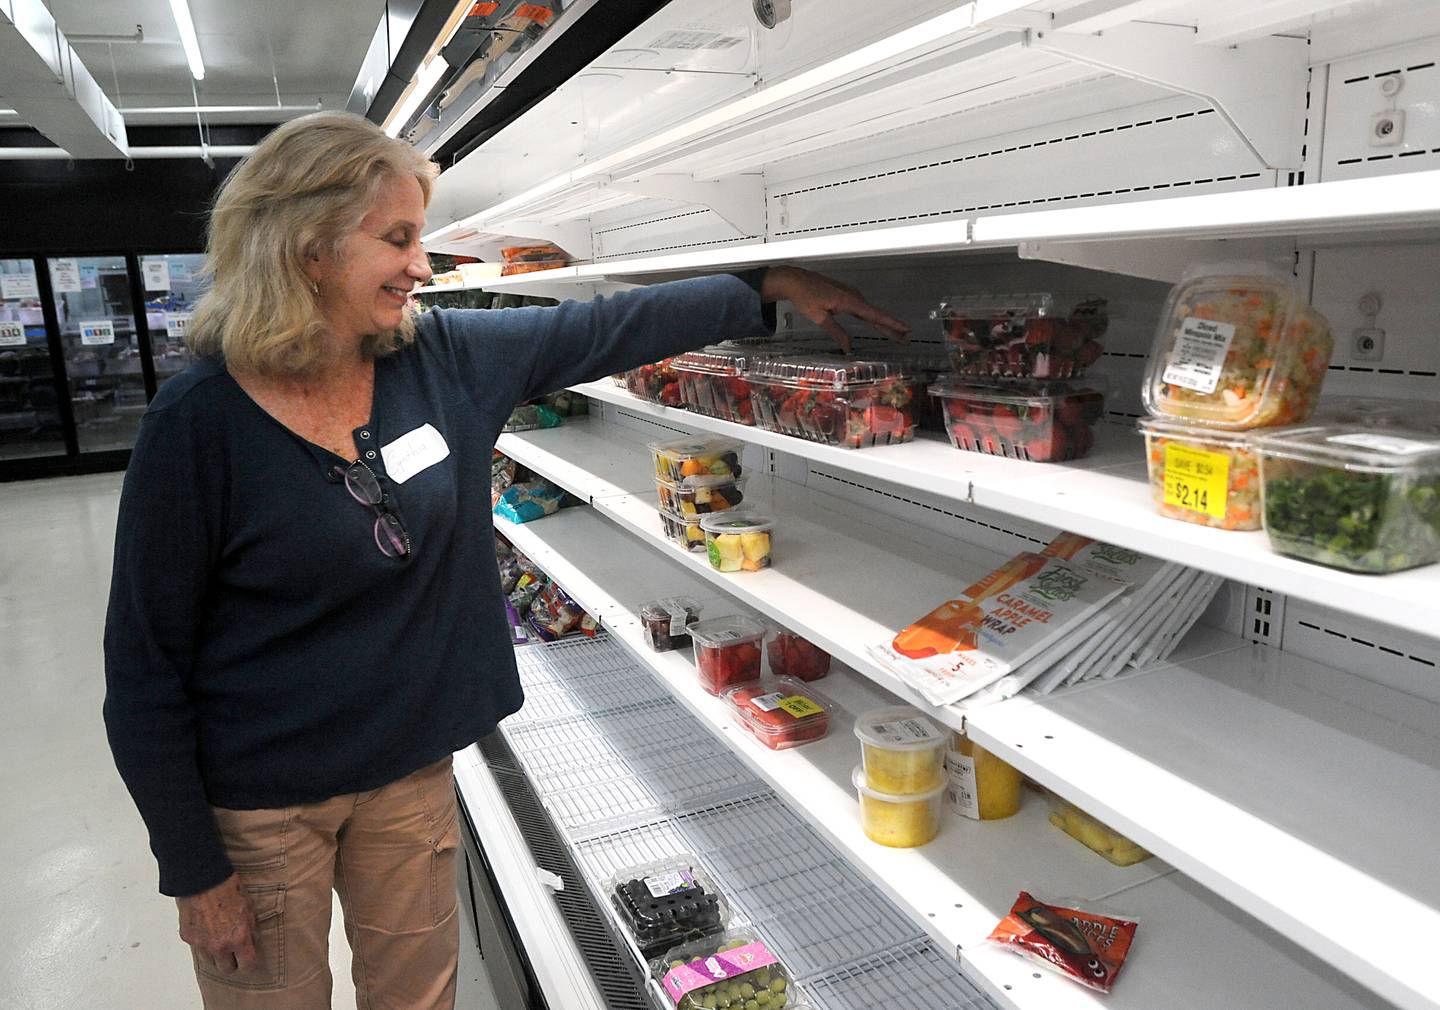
(154, 205)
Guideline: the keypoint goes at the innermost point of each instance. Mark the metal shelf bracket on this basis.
(738, 199)
(1258, 88)
(1164, 259)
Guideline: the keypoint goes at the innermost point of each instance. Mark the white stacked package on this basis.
(1012, 632)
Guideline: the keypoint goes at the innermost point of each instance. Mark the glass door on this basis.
(103, 367)
(30, 422)
(172, 286)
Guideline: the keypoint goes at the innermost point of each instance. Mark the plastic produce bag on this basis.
(553, 615)
(532, 416)
(522, 503)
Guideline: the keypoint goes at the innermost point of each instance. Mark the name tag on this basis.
(412, 452)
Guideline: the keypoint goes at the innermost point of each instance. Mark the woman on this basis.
(305, 616)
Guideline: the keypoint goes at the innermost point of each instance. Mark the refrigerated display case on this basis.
(30, 422)
(173, 284)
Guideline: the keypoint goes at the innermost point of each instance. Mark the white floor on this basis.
(81, 924)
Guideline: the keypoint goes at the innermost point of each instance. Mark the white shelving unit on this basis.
(1282, 762)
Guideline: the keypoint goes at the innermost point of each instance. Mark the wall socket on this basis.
(1369, 345)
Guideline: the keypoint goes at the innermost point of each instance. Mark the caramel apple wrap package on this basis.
(1011, 615)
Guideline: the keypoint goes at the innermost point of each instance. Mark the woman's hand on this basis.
(820, 300)
(220, 925)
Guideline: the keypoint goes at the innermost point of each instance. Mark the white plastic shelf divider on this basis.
(1105, 496)
(958, 886)
(561, 973)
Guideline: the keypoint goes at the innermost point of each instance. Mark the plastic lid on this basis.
(857, 779)
(1357, 447)
(899, 727)
(788, 695)
(1418, 415)
(1018, 392)
(819, 372)
(1028, 303)
(718, 359)
(670, 607)
(1167, 427)
(690, 447)
(723, 631)
(733, 521)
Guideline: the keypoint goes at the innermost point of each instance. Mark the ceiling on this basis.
(317, 45)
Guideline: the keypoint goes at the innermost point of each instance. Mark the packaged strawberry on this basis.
(1044, 422)
(656, 382)
(1039, 335)
(727, 652)
(792, 656)
(712, 382)
(836, 401)
(781, 712)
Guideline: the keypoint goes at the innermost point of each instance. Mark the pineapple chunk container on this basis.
(737, 541)
(1236, 352)
(902, 752)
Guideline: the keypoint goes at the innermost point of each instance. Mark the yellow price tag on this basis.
(1197, 480)
(800, 706)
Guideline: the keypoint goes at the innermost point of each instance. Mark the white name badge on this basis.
(412, 452)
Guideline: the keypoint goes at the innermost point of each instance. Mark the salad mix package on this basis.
(1202, 475)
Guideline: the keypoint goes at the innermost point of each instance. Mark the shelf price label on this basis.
(97, 332)
(1196, 480)
(177, 324)
(12, 335)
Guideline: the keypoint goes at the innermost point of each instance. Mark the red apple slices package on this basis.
(1084, 946)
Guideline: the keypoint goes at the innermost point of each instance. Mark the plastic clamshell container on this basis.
(1044, 422)
(901, 751)
(1237, 353)
(713, 383)
(1036, 335)
(1364, 498)
(655, 382)
(1203, 475)
(1093, 834)
(899, 821)
(836, 401)
(694, 457)
(791, 655)
(683, 531)
(781, 712)
(981, 785)
(1373, 411)
(738, 541)
(698, 496)
(727, 652)
(667, 622)
(666, 903)
(691, 973)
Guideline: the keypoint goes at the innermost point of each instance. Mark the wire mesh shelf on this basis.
(915, 976)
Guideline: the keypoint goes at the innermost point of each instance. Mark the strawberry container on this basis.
(712, 382)
(1035, 335)
(1045, 422)
(727, 652)
(655, 382)
(836, 401)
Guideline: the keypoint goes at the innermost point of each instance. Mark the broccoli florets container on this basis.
(1359, 497)
(664, 904)
(728, 972)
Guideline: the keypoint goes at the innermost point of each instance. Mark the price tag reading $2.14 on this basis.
(1196, 480)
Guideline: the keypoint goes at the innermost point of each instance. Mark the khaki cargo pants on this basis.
(390, 855)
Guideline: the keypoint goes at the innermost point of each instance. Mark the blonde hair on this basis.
(299, 193)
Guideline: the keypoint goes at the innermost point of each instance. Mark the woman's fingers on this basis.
(888, 324)
(836, 331)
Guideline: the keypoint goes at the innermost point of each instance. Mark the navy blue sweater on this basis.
(260, 651)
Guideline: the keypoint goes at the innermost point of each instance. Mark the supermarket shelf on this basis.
(597, 471)
(959, 885)
(1105, 496)
(562, 972)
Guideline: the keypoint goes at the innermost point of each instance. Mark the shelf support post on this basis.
(1258, 88)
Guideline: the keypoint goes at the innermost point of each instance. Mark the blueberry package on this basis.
(666, 903)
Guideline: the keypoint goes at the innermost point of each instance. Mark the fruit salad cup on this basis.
(737, 541)
(696, 457)
(902, 752)
(684, 531)
(1203, 475)
(836, 401)
(699, 496)
(667, 622)
(727, 652)
(1045, 422)
(1034, 335)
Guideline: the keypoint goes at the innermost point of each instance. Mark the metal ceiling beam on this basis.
(45, 81)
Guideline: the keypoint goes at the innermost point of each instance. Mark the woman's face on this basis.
(363, 292)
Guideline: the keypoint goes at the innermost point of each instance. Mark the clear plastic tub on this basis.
(836, 401)
(738, 542)
(981, 786)
(1045, 422)
(1364, 498)
(1236, 353)
(698, 496)
(1094, 835)
(899, 821)
(730, 970)
(712, 382)
(1371, 411)
(901, 751)
(793, 656)
(781, 712)
(1203, 475)
(655, 382)
(1036, 335)
(683, 531)
(666, 903)
(727, 652)
(667, 622)
(694, 457)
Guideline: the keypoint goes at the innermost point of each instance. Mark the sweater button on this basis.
(370, 454)
(364, 433)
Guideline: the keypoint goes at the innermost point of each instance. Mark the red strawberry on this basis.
(1048, 446)
(1007, 425)
(1089, 353)
(963, 436)
(1082, 439)
(1070, 412)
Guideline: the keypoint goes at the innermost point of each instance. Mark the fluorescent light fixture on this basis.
(188, 39)
(428, 77)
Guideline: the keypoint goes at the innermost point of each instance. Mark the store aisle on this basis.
(82, 926)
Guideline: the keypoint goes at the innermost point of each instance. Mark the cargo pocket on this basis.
(268, 900)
